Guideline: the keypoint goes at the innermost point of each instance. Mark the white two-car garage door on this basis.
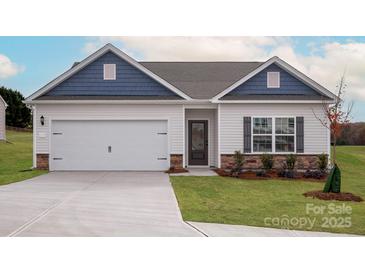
(109, 145)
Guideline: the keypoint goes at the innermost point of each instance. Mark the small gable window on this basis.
(273, 79)
(110, 72)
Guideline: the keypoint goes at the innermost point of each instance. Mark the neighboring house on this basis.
(110, 112)
(3, 106)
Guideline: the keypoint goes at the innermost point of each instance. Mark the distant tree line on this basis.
(17, 114)
(352, 134)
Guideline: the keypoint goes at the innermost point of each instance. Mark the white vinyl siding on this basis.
(172, 113)
(231, 124)
(2, 120)
(203, 114)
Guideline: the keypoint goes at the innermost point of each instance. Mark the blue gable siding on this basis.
(130, 81)
(289, 85)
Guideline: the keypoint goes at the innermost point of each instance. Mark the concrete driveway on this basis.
(92, 204)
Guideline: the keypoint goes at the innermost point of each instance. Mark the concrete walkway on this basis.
(197, 172)
(92, 204)
(222, 230)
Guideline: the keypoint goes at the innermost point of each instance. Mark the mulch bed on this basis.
(251, 175)
(176, 170)
(342, 196)
(244, 175)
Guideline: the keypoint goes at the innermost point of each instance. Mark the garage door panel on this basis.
(134, 145)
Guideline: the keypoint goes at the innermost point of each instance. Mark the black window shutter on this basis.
(247, 134)
(300, 134)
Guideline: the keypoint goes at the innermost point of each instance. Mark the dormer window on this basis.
(273, 79)
(110, 72)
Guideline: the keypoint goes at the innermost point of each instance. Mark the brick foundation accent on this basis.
(43, 161)
(254, 161)
(176, 160)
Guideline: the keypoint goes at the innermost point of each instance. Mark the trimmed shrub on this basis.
(314, 174)
(281, 172)
(238, 163)
(290, 161)
(288, 167)
(267, 161)
(322, 162)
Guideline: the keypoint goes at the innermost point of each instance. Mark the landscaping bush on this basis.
(314, 174)
(290, 161)
(261, 173)
(290, 174)
(238, 163)
(281, 172)
(288, 167)
(267, 161)
(323, 162)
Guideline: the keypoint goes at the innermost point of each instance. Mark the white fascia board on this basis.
(208, 105)
(93, 57)
(272, 101)
(284, 66)
(116, 102)
(170, 102)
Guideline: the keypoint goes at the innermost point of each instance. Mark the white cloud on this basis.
(193, 48)
(336, 59)
(8, 68)
(325, 62)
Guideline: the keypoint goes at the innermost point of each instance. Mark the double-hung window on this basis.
(262, 135)
(273, 134)
(284, 134)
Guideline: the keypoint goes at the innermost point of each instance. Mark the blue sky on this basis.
(31, 62)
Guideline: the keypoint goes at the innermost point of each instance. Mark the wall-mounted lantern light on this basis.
(42, 120)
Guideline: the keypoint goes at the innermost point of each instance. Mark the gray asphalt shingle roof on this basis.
(201, 80)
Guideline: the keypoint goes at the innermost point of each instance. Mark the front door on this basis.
(198, 142)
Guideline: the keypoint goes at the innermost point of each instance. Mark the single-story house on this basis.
(111, 112)
(3, 106)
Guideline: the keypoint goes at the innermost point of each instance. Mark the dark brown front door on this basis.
(198, 142)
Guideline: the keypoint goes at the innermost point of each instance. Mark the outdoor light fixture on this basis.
(42, 120)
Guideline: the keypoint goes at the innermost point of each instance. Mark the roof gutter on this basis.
(116, 102)
(272, 101)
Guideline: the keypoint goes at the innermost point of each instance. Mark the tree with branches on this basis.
(336, 117)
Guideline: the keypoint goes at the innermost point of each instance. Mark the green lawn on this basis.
(259, 203)
(16, 158)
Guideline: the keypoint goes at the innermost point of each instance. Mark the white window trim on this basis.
(267, 79)
(115, 72)
(273, 135)
(261, 134)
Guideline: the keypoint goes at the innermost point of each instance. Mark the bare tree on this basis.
(335, 117)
